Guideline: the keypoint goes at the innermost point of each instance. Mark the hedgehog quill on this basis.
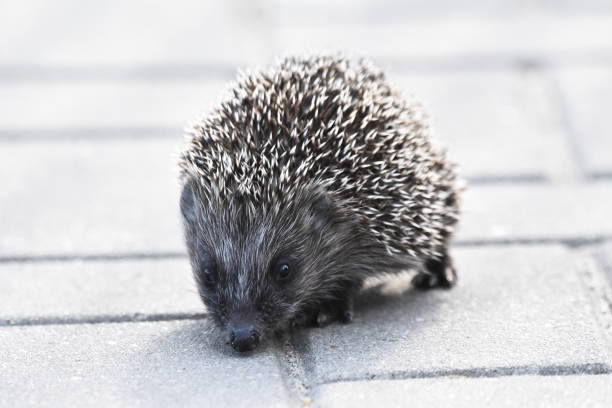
(305, 180)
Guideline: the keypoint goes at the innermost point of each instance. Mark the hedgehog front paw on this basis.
(340, 310)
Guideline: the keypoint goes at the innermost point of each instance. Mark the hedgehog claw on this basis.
(347, 316)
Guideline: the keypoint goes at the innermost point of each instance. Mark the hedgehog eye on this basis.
(283, 270)
(209, 276)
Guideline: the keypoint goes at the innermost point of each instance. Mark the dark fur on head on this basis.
(306, 179)
(242, 244)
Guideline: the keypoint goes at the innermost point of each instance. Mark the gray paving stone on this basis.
(89, 197)
(494, 123)
(447, 39)
(576, 7)
(62, 290)
(536, 211)
(113, 104)
(72, 33)
(515, 308)
(528, 391)
(588, 94)
(135, 364)
(603, 255)
(303, 12)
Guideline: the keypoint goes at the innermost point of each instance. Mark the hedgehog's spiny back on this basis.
(333, 122)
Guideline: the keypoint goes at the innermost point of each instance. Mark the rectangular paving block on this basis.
(529, 391)
(115, 104)
(74, 34)
(326, 12)
(450, 38)
(89, 197)
(587, 92)
(132, 365)
(497, 123)
(536, 211)
(520, 308)
(119, 288)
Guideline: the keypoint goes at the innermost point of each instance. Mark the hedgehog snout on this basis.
(244, 338)
(243, 333)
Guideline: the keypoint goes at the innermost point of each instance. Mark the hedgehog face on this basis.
(257, 270)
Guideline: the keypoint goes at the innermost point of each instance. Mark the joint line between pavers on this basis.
(478, 62)
(94, 133)
(194, 71)
(527, 178)
(592, 274)
(485, 372)
(573, 242)
(293, 366)
(160, 72)
(92, 257)
(599, 176)
(561, 105)
(100, 319)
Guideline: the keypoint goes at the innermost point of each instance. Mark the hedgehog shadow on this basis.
(392, 297)
(387, 314)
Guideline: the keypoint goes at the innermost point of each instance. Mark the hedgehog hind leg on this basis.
(436, 273)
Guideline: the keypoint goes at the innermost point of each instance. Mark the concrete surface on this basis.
(526, 391)
(589, 90)
(97, 306)
(136, 364)
(81, 290)
(520, 308)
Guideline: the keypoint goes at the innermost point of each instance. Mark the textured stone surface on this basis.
(494, 123)
(136, 364)
(588, 96)
(528, 391)
(72, 33)
(38, 291)
(514, 307)
(89, 197)
(304, 12)
(536, 211)
(580, 7)
(603, 255)
(116, 104)
(447, 38)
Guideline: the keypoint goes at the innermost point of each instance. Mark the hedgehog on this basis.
(306, 179)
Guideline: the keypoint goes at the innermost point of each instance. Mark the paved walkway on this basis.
(97, 306)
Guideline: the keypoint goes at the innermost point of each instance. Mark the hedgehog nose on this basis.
(244, 338)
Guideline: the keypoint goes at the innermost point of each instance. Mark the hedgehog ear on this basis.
(188, 201)
(320, 208)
